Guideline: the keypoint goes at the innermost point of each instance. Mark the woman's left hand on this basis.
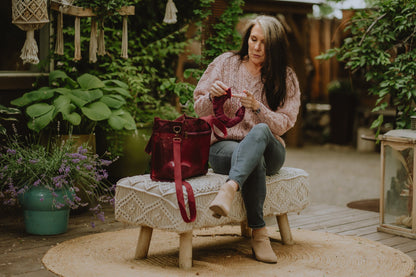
(247, 100)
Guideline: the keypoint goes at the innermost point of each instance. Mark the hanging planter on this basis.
(30, 15)
(97, 42)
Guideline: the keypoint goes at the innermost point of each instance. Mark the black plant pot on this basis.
(343, 107)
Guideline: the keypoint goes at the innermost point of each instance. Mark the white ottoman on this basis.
(151, 204)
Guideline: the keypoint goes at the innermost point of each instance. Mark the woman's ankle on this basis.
(233, 184)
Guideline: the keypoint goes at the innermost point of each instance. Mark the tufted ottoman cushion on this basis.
(141, 201)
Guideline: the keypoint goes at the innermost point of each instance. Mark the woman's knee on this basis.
(261, 127)
(260, 131)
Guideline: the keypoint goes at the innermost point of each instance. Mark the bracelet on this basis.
(257, 111)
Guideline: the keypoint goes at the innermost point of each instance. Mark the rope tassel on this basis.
(170, 13)
(101, 42)
(30, 49)
(93, 41)
(124, 40)
(59, 44)
(77, 42)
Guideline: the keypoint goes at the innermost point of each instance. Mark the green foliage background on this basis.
(382, 48)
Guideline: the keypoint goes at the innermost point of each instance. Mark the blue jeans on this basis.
(248, 162)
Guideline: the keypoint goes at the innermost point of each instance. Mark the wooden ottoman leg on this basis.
(284, 229)
(143, 243)
(245, 230)
(185, 250)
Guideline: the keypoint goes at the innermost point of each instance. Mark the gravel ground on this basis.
(338, 174)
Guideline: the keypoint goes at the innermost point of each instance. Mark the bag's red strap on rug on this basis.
(179, 182)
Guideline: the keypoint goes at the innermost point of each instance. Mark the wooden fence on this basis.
(324, 34)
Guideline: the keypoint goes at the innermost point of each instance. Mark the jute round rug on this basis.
(221, 251)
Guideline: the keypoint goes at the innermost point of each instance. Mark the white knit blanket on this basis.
(141, 201)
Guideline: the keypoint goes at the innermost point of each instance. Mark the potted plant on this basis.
(48, 181)
(80, 104)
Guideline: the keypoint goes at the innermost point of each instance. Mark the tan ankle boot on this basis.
(262, 250)
(221, 204)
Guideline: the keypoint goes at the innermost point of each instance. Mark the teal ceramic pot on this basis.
(41, 217)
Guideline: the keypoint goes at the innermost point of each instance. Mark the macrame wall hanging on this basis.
(170, 13)
(30, 15)
(97, 38)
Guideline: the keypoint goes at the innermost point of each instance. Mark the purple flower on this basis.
(36, 183)
(106, 162)
(77, 156)
(11, 151)
(82, 150)
(88, 166)
(19, 160)
(92, 224)
(33, 161)
(100, 216)
(41, 199)
(75, 161)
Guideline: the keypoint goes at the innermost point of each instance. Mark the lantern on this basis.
(30, 15)
(397, 183)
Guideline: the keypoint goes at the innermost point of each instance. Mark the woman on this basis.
(261, 81)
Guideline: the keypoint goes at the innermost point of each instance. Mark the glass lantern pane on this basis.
(398, 186)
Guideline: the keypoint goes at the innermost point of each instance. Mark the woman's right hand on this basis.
(218, 89)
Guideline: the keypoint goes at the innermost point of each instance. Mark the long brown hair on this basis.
(274, 69)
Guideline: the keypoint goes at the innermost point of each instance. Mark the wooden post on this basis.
(284, 229)
(143, 243)
(185, 250)
(245, 230)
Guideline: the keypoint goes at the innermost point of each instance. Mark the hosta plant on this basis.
(80, 104)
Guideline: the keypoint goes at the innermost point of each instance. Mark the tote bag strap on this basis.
(216, 125)
(179, 182)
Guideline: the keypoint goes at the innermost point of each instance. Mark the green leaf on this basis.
(113, 101)
(8, 111)
(73, 117)
(61, 103)
(377, 123)
(88, 81)
(96, 111)
(88, 95)
(118, 83)
(120, 91)
(121, 119)
(39, 109)
(41, 114)
(63, 90)
(57, 75)
(34, 96)
(79, 102)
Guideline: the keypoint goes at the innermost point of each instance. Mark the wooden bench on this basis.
(149, 204)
